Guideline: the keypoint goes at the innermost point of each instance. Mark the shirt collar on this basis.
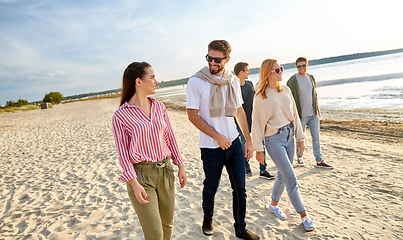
(127, 105)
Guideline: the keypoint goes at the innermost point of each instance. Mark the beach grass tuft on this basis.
(14, 109)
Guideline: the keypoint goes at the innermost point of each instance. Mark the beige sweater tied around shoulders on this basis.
(215, 104)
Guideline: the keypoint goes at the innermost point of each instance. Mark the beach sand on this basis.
(59, 171)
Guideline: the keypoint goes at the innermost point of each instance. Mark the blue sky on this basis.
(75, 47)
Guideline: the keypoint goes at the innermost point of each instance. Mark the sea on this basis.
(365, 83)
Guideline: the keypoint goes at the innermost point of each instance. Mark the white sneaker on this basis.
(300, 163)
(277, 211)
(308, 223)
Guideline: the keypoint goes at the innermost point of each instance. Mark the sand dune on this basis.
(59, 170)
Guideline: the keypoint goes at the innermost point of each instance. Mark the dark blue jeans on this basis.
(213, 162)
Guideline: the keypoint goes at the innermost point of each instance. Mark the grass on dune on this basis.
(23, 108)
(33, 107)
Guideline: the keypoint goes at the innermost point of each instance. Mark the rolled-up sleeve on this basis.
(122, 143)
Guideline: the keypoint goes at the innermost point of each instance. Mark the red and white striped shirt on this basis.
(140, 138)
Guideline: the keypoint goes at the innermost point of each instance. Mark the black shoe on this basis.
(248, 171)
(266, 175)
(248, 235)
(207, 227)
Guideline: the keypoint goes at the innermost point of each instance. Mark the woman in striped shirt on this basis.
(145, 144)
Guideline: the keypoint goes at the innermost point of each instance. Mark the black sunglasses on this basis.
(216, 60)
(301, 66)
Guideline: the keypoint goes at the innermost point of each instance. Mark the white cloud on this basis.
(55, 73)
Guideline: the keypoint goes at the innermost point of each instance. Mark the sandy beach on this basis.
(59, 171)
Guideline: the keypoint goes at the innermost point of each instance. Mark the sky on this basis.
(75, 46)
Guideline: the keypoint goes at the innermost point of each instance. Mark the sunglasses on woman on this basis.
(216, 59)
(301, 66)
(278, 70)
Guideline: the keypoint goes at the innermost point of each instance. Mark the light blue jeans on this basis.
(281, 149)
(313, 123)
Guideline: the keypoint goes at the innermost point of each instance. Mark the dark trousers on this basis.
(213, 162)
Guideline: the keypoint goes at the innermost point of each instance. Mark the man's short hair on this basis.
(301, 59)
(220, 45)
(240, 67)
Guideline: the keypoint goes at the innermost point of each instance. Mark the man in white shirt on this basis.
(214, 98)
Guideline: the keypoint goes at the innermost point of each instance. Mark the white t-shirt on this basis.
(198, 97)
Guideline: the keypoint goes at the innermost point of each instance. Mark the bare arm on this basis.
(243, 124)
(194, 117)
(182, 175)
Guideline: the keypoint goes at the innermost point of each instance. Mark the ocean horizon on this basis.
(365, 83)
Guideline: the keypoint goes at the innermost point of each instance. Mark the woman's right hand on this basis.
(260, 157)
(301, 147)
(139, 191)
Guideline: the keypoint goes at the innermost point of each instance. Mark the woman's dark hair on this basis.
(132, 72)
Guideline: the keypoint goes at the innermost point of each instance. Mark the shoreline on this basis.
(377, 125)
(178, 101)
(373, 123)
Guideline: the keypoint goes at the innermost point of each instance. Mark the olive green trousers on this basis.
(156, 217)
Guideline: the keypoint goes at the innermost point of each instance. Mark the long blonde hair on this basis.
(265, 71)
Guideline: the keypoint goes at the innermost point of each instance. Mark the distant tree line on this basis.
(19, 103)
(83, 95)
(173, 82)
(52, 97)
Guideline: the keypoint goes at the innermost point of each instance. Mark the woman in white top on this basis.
(275, 119)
